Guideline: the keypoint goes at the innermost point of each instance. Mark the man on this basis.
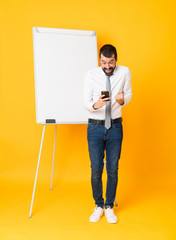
(105, 131)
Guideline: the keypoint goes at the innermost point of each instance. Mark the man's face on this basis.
(108, 64)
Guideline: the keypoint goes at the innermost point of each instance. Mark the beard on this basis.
(109, 73)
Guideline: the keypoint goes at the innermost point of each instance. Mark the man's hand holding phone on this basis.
(101, 101)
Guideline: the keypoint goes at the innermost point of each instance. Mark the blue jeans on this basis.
(101, 139)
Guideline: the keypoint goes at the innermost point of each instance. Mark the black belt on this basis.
(102, 122)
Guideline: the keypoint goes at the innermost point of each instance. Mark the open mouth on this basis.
(108, 70)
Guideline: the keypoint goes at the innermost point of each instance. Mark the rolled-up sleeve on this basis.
(88, 93)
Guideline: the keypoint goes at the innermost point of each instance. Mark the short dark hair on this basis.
(108, 50)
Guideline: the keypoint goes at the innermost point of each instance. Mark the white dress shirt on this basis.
(95, 82)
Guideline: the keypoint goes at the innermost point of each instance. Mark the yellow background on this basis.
(144, 35)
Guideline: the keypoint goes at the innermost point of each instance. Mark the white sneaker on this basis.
(96, 215)
(111, 217)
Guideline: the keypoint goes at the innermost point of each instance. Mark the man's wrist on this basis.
(94, 107)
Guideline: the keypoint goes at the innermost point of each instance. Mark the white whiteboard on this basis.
(61, 58)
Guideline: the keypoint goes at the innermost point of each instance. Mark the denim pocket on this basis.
(92, 126)
(117, 125)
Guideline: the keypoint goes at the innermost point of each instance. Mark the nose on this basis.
(107, 65)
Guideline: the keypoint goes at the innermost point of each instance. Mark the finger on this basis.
(118, 95)
(101, 96)
(103, 102)
(106, 99)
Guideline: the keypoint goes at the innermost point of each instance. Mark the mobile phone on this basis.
(106, 93)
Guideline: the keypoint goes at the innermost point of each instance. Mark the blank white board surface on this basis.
(61, 58)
